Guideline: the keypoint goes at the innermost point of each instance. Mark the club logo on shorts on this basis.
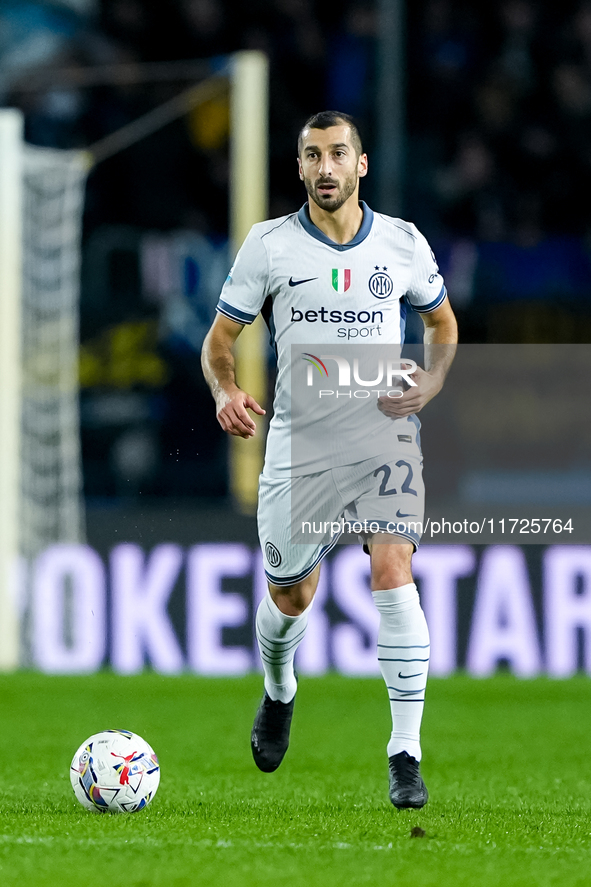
(272, 555)
(380, 284)
(341, 279)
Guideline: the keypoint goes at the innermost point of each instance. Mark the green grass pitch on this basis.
(506, 763)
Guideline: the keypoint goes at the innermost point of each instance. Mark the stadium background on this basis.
(496, 153)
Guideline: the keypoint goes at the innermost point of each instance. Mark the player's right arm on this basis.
(217, 360)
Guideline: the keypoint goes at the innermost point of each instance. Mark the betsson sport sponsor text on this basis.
(324, 315)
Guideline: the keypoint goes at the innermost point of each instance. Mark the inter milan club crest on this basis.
(341, 279)
(273, 555)
(380, 284)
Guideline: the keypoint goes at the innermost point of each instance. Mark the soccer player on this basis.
(331, 270)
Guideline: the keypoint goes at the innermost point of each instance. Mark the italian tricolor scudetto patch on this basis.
(341, 279)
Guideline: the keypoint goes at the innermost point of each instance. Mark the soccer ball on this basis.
(115, 772)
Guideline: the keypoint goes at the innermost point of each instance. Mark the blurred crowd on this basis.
(497, 175)
(498, 99)
(501, 115)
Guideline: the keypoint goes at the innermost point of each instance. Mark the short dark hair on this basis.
(325, 119)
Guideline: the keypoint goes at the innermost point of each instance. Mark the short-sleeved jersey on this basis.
(311, 290)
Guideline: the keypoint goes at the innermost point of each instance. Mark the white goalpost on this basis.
(11, 126)
(41, 204)
(41, 200)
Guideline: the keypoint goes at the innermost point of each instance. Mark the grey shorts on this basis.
(301, 519)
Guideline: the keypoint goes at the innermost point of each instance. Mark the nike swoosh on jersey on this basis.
(399, 514)
(293, 282)
(410, 675)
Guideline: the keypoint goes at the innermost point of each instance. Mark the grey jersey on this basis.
(315, 293)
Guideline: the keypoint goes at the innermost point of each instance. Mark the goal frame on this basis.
(248, 76)
(11, 138)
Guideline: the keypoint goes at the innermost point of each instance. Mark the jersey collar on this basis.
(310, 228)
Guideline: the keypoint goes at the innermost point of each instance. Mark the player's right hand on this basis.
(232, 415)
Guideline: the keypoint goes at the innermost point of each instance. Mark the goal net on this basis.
(41, 205)
(41, 200)
(51, 507)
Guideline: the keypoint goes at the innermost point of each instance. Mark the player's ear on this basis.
(300, 169)
(362, 165)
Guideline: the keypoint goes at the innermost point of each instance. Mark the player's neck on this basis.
(342, 225)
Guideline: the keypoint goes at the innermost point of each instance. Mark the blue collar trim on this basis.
(310, 228)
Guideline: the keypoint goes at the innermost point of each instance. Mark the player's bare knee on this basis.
(292, 600)
(390, 564)
(383, 579)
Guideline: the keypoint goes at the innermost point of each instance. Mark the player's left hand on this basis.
(414, 398)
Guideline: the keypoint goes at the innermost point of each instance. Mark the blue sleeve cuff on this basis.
(234, 313)
(425, 309)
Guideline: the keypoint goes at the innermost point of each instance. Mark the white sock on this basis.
(278, 638)
(403, 654)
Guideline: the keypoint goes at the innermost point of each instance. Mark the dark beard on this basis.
(333, 202)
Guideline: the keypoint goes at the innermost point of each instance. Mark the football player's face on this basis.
(329, 166)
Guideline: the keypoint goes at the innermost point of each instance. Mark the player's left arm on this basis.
(441, 338)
